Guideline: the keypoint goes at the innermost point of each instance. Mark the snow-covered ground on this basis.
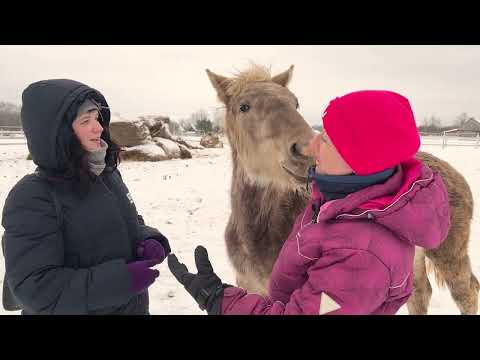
(188, 200)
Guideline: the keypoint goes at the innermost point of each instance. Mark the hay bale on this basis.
(157, 125)
(179, 140)
(211, 141)
(154, 122)
(129, 133)
(170, 147)
(184, 152)
(145, 152)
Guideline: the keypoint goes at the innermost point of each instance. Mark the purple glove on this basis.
(151, 249)
(142, 275)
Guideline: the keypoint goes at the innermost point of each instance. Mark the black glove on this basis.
(205, 287)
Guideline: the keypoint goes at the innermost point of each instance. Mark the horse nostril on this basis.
(300, 152)
(294, 151)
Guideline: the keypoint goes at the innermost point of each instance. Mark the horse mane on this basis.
(255, 73)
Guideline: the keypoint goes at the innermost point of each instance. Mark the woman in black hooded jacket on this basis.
(74, 242)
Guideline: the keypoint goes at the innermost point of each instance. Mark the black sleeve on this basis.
(148, 232)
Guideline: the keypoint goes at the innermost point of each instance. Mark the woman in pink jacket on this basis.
(351, 251)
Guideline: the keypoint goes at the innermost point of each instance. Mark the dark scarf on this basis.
(335, 187)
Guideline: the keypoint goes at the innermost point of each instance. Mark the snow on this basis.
(117, 118)
(188, 200)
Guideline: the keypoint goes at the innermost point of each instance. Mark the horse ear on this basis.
(284, 78)
(220, 83)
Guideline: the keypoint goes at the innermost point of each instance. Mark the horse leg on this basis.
(457, 273)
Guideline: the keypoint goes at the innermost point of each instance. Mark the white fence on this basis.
(451, 139)
(440, 139)
(12, 135)
(11, 132)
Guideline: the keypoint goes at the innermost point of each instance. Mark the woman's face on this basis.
(88, 129)
(328, 160)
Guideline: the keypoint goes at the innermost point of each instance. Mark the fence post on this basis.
(478, 140)
(444, 140)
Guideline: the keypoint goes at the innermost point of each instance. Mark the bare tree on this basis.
(431, 124)
(461, 120)
(198, 115)
(174, 127)
(9, 114)
(186, 125)
(201, 121)
(219, 120)
(204, 125)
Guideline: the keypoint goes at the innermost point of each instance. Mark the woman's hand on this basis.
(151, 249)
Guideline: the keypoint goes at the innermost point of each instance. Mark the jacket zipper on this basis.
(315, 211)
(119, 211)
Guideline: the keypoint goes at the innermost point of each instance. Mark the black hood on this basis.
(47, 107)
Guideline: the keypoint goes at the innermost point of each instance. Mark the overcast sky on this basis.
(137, 80)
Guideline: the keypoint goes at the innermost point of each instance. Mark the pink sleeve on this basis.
(341, 282)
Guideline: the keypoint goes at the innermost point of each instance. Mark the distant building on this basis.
(471, 125)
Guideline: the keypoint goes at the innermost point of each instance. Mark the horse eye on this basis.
(297, 105)
(244, 108)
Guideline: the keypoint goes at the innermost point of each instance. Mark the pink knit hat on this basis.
(372, 129)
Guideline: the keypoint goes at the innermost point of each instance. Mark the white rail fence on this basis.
(452, 138)
(443, 139)
(11, 132)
